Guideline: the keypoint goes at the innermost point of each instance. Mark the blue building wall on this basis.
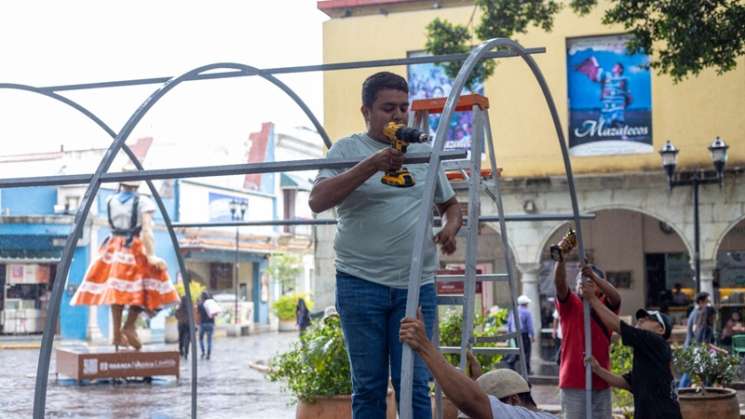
(73, 320)
(29, 201)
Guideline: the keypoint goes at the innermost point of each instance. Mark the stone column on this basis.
(707, 277)
(529, 273)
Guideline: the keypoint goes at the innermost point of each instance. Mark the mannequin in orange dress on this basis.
(127, 272)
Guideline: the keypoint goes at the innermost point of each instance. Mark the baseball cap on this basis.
(661, 318)
(502, 383)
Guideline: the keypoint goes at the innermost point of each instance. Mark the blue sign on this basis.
(610, 103)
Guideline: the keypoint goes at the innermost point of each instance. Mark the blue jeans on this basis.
(370, 319)
(206, 328)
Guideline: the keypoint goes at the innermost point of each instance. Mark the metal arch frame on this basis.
(415, 272)
(42, 374)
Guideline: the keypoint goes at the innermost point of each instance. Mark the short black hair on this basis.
(701, 296)
(526, 399)
(380, 81)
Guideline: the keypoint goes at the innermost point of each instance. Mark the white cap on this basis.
(502, 383)
(329, 311)
(523, 299)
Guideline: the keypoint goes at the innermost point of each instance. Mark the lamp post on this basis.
(237, 212)
(669, 154)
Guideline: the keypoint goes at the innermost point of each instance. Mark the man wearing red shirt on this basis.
(572, 367)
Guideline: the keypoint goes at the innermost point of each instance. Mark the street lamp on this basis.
(669, 154)
(237, 207)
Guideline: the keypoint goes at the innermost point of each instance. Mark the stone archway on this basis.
(730, 264)
(627, 244)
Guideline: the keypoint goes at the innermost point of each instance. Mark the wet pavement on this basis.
(228, 387)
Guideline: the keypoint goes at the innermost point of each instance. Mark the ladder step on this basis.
(455, 164)
(494, 339)
(535, 217)
(449, 300)
(479, 277)
(480, 350)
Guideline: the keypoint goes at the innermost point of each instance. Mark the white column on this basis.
(529, 272)
(707, 277)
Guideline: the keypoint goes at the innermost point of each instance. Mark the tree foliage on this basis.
(683, 37)
(284, 268)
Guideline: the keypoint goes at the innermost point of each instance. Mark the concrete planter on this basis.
(719, 403)
(171, 334)
(287, 326)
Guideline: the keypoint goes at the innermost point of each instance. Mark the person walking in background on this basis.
(702, 299)
(704, 326)
(302, 315)
(556, 334)
(206, 323)
(526, 330)
(182, 318)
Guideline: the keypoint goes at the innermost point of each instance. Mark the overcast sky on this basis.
(74, 41)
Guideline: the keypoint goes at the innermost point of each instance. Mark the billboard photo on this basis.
(610, 99)
(430, 81)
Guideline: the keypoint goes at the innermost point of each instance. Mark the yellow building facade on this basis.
(691, 113)
(644, 234)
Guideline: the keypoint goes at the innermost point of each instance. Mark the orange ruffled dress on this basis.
(123, 275)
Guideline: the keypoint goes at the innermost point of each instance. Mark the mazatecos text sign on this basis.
(610, 103)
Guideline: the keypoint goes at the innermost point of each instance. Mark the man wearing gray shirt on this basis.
(374, 244)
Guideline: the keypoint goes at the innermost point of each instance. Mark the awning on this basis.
(25, 256)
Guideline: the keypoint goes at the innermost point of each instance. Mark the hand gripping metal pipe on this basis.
(87, 201)
(415, 272)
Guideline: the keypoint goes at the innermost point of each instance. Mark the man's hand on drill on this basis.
(387, 159)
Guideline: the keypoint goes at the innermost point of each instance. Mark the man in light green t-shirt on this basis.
(374, 244)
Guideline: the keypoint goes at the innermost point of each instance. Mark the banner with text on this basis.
(610, 100)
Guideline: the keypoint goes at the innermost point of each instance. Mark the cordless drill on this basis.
(400, 137)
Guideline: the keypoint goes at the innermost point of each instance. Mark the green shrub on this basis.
(317, 366)
(284, 306)
(451, 329)
(621, 361)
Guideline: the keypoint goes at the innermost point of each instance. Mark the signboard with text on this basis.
(610, 99)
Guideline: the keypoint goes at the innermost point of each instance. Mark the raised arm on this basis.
(461, 390)
(609, 318)
(611, 293)
(329, 192)
(560, 280)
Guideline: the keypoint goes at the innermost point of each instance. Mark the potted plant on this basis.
(284, 308)
(316, 371)
(711, 369)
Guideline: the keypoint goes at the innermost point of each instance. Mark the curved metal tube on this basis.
(84, 209)
(46, 347)
(415, 272)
